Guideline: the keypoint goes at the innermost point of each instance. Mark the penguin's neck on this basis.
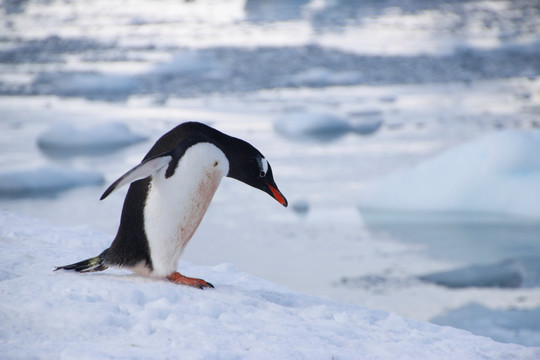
(175, 205)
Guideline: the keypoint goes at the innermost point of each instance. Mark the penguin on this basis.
(169, 193)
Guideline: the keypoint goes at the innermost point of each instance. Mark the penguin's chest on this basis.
(176, 205)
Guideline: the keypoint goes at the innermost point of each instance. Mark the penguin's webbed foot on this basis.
(178, 278)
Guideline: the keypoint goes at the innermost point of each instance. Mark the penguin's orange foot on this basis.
(178, 278)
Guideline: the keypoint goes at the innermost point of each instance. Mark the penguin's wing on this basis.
(143, 170)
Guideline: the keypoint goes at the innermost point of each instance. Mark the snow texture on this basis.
(498, 173)
(45, 181)
(118, 315)
(64, 139)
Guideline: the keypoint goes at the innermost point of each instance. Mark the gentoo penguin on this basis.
(169, 194)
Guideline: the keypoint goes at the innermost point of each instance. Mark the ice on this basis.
(45, 181)
(324, 77)
(91, 85)
(500, 325)
(521, 272)
(114, 314)
(64, 139)
(311, 125)
(186, 64)
(498, 173)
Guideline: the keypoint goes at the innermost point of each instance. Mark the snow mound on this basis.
(63, 139)
(45, 181)
(497, 324)
(522, 272)
(118, 315)
(498, 174)
(311, 125)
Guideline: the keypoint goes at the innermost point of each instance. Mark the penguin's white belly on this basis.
(176, 205)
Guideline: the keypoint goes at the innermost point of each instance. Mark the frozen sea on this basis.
(404, 135)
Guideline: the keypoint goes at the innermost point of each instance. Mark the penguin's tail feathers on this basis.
(89, 265)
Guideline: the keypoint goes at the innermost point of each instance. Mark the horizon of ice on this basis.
(64, 139)
(114, 314)
(498, 173)
(45, 180)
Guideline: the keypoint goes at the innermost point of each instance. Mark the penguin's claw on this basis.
(178, 278)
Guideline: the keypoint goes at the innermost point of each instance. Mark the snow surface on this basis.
(498, 173)
(118, 315)
(65, 139)
(45, 180)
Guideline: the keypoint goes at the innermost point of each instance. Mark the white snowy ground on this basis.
(54, 315)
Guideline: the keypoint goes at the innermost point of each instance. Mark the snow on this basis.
(45, 180)
(118, 315)
(498, 173)
(65, 139)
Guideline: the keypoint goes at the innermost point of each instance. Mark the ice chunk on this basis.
(187, 63)
(521, 272)
(91, 85)
(64, 139)
(45, 181)
(311, 125)
(498, 174)
(319, 77)
(301, 207)
(477, 276)
(508, 326)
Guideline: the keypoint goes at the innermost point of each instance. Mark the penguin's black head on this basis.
(248, 165)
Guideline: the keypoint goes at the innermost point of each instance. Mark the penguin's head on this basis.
(248, 165)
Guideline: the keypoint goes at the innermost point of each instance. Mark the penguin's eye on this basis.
(262, 173)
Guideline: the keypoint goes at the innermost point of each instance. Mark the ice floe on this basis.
(311, 125)
(64, 139)
(45, 181)
(498, 173)
(521, 272)
(499, 324)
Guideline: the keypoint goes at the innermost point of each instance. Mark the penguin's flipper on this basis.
(141, 171)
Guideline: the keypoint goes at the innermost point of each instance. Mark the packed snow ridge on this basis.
(118, 315)
(498, 173)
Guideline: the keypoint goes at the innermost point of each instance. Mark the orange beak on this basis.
(278, 195)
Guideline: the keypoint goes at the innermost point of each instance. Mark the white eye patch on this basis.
(263, 163)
